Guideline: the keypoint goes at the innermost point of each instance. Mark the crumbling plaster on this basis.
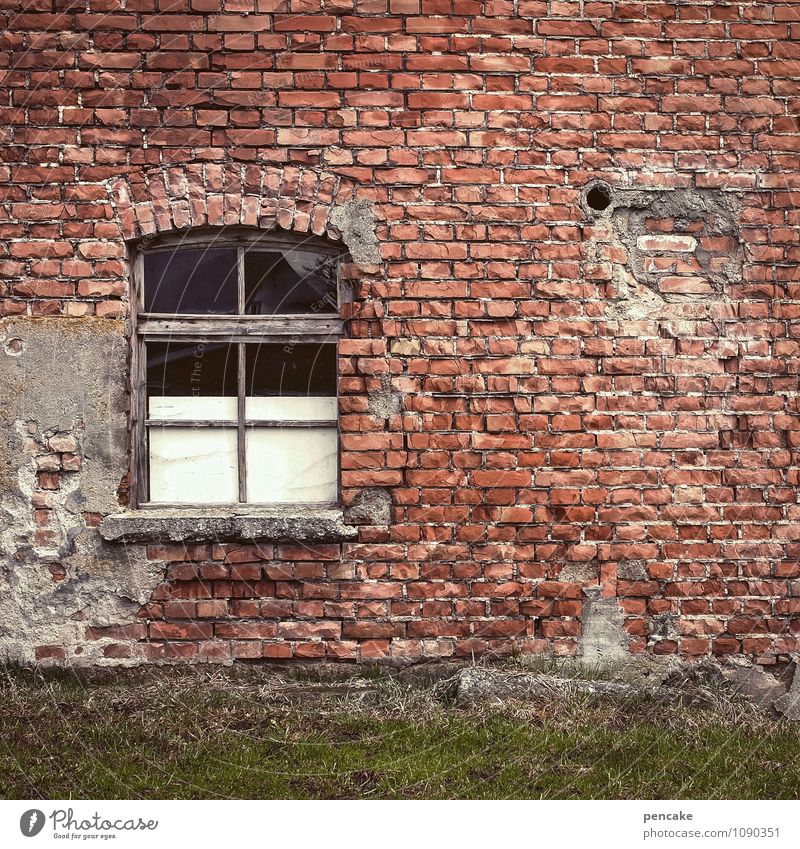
(63, 381)
(356, 221)
(637, 274)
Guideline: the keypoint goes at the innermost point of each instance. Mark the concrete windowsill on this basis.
(176, 524)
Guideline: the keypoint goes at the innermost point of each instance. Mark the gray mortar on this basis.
(384, 402)
(632, 570)
(760, 687)
(356, 221)
(789, 704)
(663, 626)
(481, 685)
(603, 641)
(370, 507)
(64, 376)
(582, 573)
(634, 302)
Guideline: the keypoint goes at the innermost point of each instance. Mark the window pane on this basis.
(193, 465)
(191, 281)
(292, 281)
(291, 465)
(181, 374)
(300, 370)
(176, 409)
(303, 408)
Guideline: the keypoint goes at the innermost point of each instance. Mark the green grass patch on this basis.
(257, 734)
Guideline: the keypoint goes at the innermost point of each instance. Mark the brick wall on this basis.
(586, 398)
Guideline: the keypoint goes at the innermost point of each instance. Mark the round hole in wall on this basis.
(598, 197)
(14, 347)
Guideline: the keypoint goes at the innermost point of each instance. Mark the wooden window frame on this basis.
(238, 329)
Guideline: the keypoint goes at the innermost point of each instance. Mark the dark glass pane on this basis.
(292, 281)
(287, 369)
(191, 281)
(198, 369)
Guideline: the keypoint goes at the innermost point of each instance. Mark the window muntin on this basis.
(237, 408)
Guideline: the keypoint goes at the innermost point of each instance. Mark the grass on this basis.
(254, 733)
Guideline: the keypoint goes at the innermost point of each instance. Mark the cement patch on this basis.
(385, 401)
(356, 221)
(603, 641)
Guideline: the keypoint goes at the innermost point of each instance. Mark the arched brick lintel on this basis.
(178, 197)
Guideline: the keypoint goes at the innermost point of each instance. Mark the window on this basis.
(234, 387)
